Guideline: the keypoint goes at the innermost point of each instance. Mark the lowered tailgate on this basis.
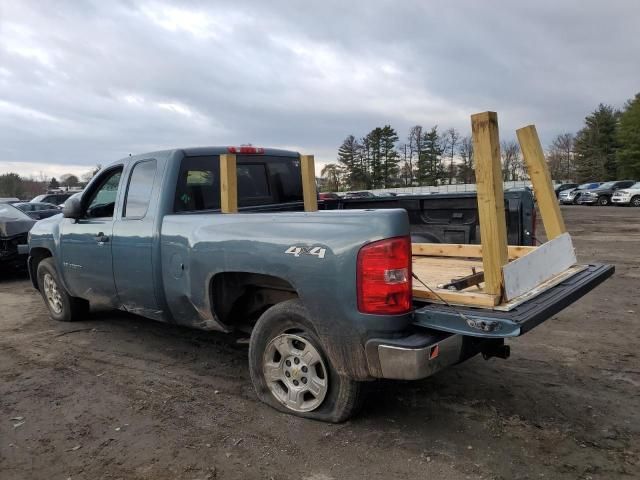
(480, 322)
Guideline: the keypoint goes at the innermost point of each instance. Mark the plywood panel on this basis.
(546, 261)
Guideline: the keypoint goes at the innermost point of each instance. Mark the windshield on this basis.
(12, 213)
(635, 185)
(607, 185)
(584, 186)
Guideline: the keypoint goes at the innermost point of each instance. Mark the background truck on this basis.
(327, 297)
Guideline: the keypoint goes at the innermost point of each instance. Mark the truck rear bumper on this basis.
(416, 356)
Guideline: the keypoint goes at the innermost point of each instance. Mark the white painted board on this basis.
(538, 266)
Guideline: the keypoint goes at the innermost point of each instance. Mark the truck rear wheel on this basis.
(62, 306)
(291, 372)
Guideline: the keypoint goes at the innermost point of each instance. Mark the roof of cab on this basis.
(203, 151)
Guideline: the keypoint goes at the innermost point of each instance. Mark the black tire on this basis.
(635, 201)
(604, 201)
(65, 308)
(343, 397)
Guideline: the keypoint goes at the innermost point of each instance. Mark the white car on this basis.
(627, 196)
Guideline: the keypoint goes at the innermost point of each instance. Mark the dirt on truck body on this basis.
(119, 396)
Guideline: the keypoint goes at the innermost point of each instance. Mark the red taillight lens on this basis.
(384, 277)
(246, 149)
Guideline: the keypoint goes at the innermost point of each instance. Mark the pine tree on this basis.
(389, 156)
(349, 156)
(596, 144)
(53, 184)
(374, 141)
(430, 168)
(628, 155)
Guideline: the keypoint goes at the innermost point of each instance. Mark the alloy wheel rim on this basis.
(295, 372)
(52, 293)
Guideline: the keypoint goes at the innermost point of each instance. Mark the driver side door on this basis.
(85, 243)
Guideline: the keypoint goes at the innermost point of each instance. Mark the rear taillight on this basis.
(384, 277)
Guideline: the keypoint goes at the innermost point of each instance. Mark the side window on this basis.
(139, 191)
(102, 201)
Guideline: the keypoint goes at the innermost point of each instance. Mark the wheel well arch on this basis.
(36, 255)
(239, 298)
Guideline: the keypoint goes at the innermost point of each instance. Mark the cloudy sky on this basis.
(89, 82)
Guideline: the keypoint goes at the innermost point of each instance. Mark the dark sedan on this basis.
(38, 210)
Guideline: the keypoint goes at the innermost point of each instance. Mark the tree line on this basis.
(14, 185)
(607, 147)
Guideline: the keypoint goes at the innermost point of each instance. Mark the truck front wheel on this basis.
(62, 306)
(291, 372)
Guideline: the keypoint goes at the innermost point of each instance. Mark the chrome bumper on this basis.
(414, 357)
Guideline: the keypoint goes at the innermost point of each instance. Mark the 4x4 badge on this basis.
(297, 251)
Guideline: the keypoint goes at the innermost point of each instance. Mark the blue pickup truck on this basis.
(325, 296)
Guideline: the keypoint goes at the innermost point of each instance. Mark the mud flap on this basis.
(480, 322)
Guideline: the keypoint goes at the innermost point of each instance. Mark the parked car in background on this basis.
(602, 194)
(564, 186)
(37, 210)
(572, 196)
(359, 195)
(54, 198)
(627, 196)
(14, 228)
(526, 188)
(9, 199)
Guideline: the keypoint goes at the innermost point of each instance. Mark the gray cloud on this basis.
(87, 83)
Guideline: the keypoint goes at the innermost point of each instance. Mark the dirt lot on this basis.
(118, 396)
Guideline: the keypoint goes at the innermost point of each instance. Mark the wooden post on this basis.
(541, 181)
(309, 194)
(228, 183)
(493, 226)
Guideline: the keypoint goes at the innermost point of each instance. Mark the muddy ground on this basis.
(119, 396)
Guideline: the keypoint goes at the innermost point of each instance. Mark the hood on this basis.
(10, 227)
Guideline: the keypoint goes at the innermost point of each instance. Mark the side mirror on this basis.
(72, 208)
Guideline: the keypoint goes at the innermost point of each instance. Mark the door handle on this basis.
(102, 238)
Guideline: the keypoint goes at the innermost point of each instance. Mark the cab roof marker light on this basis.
(246, 149)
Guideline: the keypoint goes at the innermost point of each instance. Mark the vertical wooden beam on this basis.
(541, 181)
(309, 194)
(493, 226)
(228, 183)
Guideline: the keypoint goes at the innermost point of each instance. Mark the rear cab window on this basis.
(262, 180)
